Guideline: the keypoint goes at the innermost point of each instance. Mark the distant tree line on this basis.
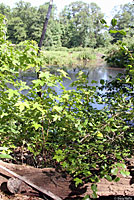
(77, 25)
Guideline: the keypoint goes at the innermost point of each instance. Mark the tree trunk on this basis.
(45, 25)
(43, 36)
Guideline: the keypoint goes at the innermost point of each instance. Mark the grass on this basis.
(69, 58)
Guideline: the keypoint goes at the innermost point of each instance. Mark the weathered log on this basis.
(13, 185)
(40, 189)
(63, 186)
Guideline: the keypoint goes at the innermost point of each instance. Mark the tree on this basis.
(5, 10)
(16, 30)
(27, 18)
(81, 24)
(96, 15)
(26, 23)
(125, 21)
(53, 34)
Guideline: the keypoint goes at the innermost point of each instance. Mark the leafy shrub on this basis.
(87, 142)
(120, 56)
(86, 55)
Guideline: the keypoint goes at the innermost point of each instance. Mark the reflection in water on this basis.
(93, 73)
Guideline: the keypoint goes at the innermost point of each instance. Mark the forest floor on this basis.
(61, 184)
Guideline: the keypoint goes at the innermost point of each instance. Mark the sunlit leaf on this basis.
(113, 31)
(124, 173)
(114, 171)
(6, 156)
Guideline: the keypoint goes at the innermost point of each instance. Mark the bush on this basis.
(120, 56)
(86, 55)
(88, 143)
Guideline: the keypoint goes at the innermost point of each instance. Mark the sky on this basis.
(107, 6)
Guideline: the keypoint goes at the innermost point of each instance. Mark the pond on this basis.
(93, 73)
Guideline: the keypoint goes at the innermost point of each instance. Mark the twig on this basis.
(40, 189)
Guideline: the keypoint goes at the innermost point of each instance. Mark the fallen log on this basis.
(13, 185)
(62, 185)
(25, 180)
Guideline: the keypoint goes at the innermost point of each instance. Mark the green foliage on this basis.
(17, 30)
(4, 153)
(121, 55)
(81, 24)
(123, 22)
(68, 57)
(88, 143)
(78, 24)
(114, 22)
(86, 55)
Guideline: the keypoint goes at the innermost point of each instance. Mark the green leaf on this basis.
(77, 181)
(66, 96)
(108, 128)
(3, 155)
(116, 179)
(36, 125)
(59, 158)
(103, 21)
(122, 165)
(59, 151)
(86, 198)
(99, 134)
(44, 75)
(102, 81)
(124, 173)
(57, 108)
(22, 105)
(94, 195)
(56, 117)
(122, 32)
(113, 31)
(109, 178)
(38, 82)
(94, 187)
(93, 81)
(114, 22)
(11, 93)
(114, 171)
(106, 26)
(64, 74)
(118, 156)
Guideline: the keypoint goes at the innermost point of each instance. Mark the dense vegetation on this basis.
(119, 56)
(64, 130)
(77, 25)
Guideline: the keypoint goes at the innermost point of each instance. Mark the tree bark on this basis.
(45, 25)
(43, 36)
